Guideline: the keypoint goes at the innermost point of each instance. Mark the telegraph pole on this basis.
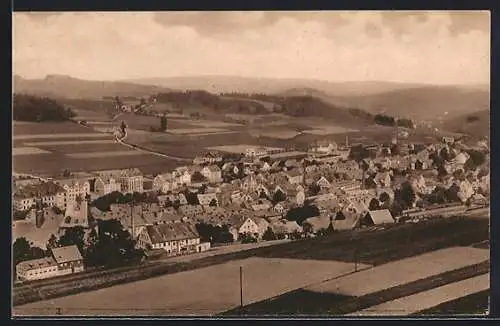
(241, 288)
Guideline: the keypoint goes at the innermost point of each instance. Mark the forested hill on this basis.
(39, 109)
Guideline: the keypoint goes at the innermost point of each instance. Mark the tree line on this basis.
(39, 109)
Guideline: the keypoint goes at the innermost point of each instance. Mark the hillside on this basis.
(68, 87)
(229, 84)
(422, 103)
(476, 124)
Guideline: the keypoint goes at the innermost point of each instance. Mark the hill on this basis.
(68, 87)
(421, 103)
(476, 124)
(39, 109)
(230, 84)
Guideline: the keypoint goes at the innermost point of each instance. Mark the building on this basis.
(244, 225)
(377, 217)
(105, 184)
(324, 147)
(131, 180)
(209, 199)
(448, 140)
(62, 261)
(47, 194)
(208, 158)
(182, 175)
(213, 173)
(295, 176)
(164, 182)
(175, 238)
(74, 188)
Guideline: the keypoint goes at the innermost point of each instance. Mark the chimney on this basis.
(347, 141)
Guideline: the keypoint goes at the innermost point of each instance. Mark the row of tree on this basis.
(104, 203)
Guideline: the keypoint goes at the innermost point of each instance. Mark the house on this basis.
(448, 140)
(323, 146)
(213, 173)
(182, 175)
(323, 183)
(105, 184)
(131, 180)
(314, 224)
(377, 217)
(295, 176)
(262, 204)
(244, 225)
(76, 214)
(346, 220)
(265, 167)
(45, 194)
(255, 151)
(208, 158)
(208, 199)
(286, 228)
(164, 182)
(461, 158)
(74, 188)
(383, 179)
(175, 238)
(62, 261)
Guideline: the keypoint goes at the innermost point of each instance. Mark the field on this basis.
(203, 291)
(470, 304)
(196, 131)
(402, 240)
(74, 147)
(328, 130)
(27, 151)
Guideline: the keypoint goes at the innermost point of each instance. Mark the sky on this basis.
(417, 47)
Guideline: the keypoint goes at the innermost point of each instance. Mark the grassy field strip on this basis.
(104, 154)
(404, 271)
(214, 133)
(428, 299)
(195, 130)
(208, 290)
(237, 148)
(27, 151)
(50, 136)
(307, 302)
(70, 142)
(470, 304)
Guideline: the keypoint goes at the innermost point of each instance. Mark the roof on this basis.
(36, 264)
(66, 254)
(318, 222)
(214, 168)
(294, 173)
(38, 190)
(171, 232)
(381, 216)
(72, 182)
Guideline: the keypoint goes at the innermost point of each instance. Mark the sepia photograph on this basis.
(250, 164)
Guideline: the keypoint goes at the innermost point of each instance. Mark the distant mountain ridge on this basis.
(73, 88)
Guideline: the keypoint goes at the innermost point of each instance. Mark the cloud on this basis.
(321, 45)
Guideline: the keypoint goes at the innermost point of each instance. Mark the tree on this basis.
(191, 198)
(475, 160)
(73, 236)
(213, 203)
(198, 177)
(21, 250)
(52, 242)
(66, 173)
(33, 108)
(314, 189)
(163, 123)
(247, 238)
(300, 214)
(406, 195)
(374, 205)
(269, 235)
(123, 127)
(114, 246)
(278, 196)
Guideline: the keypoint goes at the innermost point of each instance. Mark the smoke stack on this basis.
(347, 141)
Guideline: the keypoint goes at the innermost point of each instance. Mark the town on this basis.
(259, 195)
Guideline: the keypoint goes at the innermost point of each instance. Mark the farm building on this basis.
(62, 261)
(377, 217)
(174, 238)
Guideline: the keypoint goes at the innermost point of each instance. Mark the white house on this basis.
(175, 238)
(62, 261)
(47, 194)
(213, 173)
(74, 188)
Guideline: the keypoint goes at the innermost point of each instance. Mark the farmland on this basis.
(27, 151)
(74, 147)
(217, 289)
(403, 240)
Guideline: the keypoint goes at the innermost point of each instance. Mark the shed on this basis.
(377, 217)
